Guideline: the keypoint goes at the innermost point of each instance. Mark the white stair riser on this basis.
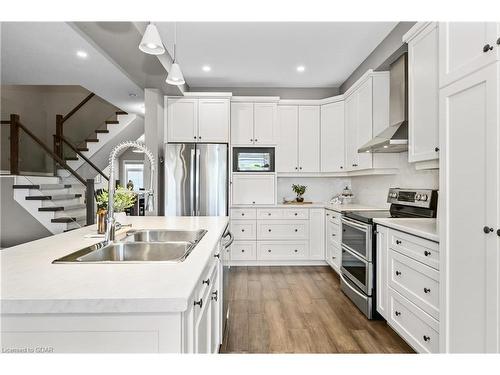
(70, 213)
(59, 203)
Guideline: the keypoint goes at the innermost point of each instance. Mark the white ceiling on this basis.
(44, 53)
(260, 54)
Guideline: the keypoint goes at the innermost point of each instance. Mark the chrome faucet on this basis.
(149, 194)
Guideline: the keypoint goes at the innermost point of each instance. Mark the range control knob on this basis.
(424, 197)
(418, 197)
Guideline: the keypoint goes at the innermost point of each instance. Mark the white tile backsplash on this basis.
(319, 189)
(372, 190)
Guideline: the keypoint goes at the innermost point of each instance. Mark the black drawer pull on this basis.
(487, 48)
(217, 256)
(269, 250)
(199, 303)
(268, 214)
(426, 338)
(397, 313)
(242, 250)
(242, 214)
(296, 251)
(269, 230)
(427, 253)
(427, 290)
(296, 230)
(296, 214)
(215, 295)
(398, 242)
(243, 230)
(207, 281)
(398, 273)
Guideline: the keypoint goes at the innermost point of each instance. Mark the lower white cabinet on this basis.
(408, 288)
(282, 250)
(316, 233)
(333, 239)
(282, 229)
(253, 189)
(243, 250)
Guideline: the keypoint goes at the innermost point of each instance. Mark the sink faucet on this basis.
(110, 219)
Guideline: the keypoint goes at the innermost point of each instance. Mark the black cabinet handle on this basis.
(327, 214)
(242, 214)
(243, 250)
(296, 251)
(253, 202)
(269, 230)
(217, 256)
(195, 137)
(498, 233)
(427, 253)
(341, 167)
(243, 230)
(251, 140)
(215, 295)
(296, 214)
(426, 338)
(268, 214)
(199, 137)
(397, 313)
(269, 250)
(300, 168)
(255, 140)
(436, 149)
(487, 48)
(398, 242)
(296, 230)
(199, 303)
(398, 273)
(427, 290)
(296, 168)
(207, 281)
(498, 41)
(333, 234)
(487, 229)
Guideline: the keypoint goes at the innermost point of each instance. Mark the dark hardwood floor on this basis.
(300, 310)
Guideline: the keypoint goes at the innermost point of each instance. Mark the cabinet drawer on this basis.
(243, 250)
(333, 216)
(243, 229)
(419, 330)
(333, 233)
(283, 229)
(415, 281)
(301, 213)
(417, 248)
(243, 213)
(333, 254)
(282, 250)
(269, 213)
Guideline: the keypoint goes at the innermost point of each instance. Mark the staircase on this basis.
(58, 207)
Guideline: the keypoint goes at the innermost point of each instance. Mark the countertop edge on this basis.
(392, 224)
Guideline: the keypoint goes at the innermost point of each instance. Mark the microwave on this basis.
(253, 159)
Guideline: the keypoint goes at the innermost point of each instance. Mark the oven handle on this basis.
(363, 227)
(350, 287)
(354, 253)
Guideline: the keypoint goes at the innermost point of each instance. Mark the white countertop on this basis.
(32, 284)
(425, 228)
(326, 205)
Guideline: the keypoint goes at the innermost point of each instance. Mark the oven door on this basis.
(357, 270)
(357, 237)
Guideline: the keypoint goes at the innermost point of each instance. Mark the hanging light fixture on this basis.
(175, 76)
(151, 41)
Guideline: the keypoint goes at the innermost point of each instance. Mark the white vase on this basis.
(121, 217)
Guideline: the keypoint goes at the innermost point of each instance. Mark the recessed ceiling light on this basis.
(82, 54)
(132, 95)
(301, 68)
(206, 68)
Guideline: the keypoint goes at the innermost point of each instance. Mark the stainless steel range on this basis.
(357, 271)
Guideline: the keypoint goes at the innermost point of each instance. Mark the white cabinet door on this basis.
(242, 123)
(215, 314)
(202, 327)
(253, 189)
(332, 137)
(182, 120)
(423, 91)
(469, 176)
(463, 48)
(213, 120)
(265, 132)
(286, 153)
(317, 233)
(351, 119)
(364, 132)
(309, 143)
(382, 271)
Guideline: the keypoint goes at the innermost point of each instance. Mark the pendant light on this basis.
(151, 41)
(175, 76)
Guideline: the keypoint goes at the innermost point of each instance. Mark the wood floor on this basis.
(300, 310)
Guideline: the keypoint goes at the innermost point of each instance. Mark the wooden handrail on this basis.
(5, 122)
(50, 152)
(73, 111)
(82, 156)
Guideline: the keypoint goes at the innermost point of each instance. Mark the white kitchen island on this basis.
(140, 307)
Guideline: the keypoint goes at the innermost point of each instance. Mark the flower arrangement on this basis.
(300, 191)
(123, 199)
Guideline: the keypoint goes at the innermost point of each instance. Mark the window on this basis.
(134, 171)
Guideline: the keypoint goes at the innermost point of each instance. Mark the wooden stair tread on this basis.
(121, 113)
(102, 131)
(92, 140)
(71, 158)
(52, 197)
(82, 149)
(112, 122)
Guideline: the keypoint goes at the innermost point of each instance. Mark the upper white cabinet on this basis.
(365, 126)
(423, 91)
(253, 189)
(332, 137)
(469, 213)
(253, 123)
(198, 120)
(299, 139)
(466, 47)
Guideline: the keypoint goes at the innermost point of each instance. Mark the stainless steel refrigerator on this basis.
(196, 179)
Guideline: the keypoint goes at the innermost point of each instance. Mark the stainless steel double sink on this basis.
(138, 246)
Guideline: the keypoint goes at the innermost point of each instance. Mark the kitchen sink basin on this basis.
(164, 235)
(131, 252)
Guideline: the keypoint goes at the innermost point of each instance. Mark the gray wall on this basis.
(16, 224)
(384, 50)
(282, 92)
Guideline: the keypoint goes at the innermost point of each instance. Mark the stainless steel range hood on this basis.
(395, 137)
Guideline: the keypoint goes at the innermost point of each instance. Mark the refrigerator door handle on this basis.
(197, 196)
(192, 172)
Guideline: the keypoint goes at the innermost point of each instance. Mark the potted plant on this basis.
(300, 191)
(123, 199)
